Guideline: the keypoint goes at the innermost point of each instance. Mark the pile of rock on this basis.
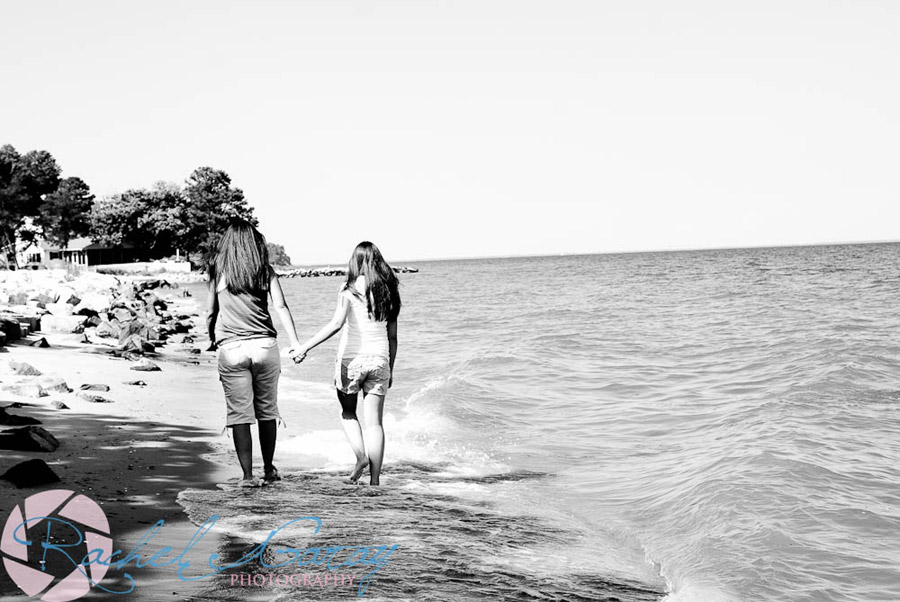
(311, 273)
(24, 433)
(103, 309)
(135, 319)
(314, 273)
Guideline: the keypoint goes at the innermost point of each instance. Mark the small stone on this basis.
(146, 366)
(32, 390)
(41, 342)
(52, 382)
(94, 387)
(136, 383)
(31, 473)
(93, 398)
(24, 369)
(59, 405)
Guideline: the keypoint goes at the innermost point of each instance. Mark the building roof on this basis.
(81, 244)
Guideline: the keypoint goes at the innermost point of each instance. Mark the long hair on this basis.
(241, 260)
(383, 296)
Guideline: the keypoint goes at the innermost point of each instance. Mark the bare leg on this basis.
(374, 407)
(353, 432)
(243, 445)
(268, 431)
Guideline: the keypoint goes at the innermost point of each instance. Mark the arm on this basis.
(281, 308)
(392, 346)
(212, 312)
(330, 329)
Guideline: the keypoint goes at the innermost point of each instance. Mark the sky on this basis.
(441, 129)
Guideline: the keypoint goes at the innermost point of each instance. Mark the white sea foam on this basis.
(417, 433)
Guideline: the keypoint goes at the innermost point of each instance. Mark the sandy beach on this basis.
(132, 454)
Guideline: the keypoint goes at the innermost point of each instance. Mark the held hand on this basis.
(297, 354)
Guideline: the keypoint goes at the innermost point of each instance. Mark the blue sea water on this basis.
(685, 426)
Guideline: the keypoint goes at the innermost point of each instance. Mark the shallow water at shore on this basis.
(713, 425)
(450, 544)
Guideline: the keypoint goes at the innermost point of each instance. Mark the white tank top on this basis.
(362, 335)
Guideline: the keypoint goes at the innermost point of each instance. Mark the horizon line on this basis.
(630, 252)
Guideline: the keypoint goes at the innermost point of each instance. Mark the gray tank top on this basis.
(243, 316)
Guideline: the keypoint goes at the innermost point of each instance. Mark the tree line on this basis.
(36, 202)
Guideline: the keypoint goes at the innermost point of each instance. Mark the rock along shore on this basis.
(316, 272)
(122, 314)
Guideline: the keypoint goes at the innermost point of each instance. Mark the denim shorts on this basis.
(369, 373)
(249, 371)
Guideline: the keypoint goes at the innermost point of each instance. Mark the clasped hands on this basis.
(297, 354)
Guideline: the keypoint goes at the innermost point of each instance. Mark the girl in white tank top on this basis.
(366, 315)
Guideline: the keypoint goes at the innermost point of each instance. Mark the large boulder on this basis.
(66, 324)
(31, 473)
(109, 330)
(7, 419)
(59, 309)
(137, 344)
(95, 302)
(122, 314)
(11, 328)
(28, 438)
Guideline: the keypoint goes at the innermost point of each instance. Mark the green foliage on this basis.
(25, 182)
(65, 212)
(155, 222)
(212, 204)
(277, 256)
(148, 220)
(167, 217)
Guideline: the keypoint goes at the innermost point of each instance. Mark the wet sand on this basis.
(132, 456)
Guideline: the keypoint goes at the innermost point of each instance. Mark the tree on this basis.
(24, 181)
(277, 255)
(212, 204)
(167, 217)
(66, 211)
(149, 220)
(117, 220)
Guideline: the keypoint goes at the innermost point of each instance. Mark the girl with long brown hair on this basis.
(367, 310)
(241, 281)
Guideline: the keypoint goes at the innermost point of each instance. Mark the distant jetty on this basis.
(316, 272)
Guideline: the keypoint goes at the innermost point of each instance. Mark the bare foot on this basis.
(357, 471)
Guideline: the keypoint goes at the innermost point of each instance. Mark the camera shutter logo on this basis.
(65, 508)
